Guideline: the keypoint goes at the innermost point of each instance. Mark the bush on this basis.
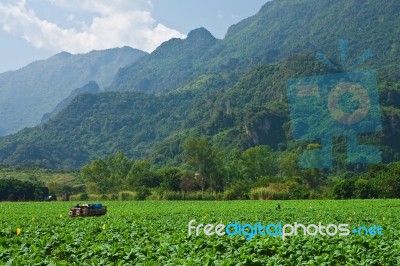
(364, 189)
(259, 193)
(198, 195)
(18, 190)
(240, 190)
(208, 195)
(212, 196)
(344, 189)
(142, 193)
(104, 197)
(90, 197)
(313, 194)
(173, 195)
(154, 196)
(114, 196)
(264, 181)
(74, 198)
(280, 191)
(127, 195)
(298, 191)
(280, 195)
(231, 194)
(83, 196)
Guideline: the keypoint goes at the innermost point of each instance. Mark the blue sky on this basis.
(37, 29)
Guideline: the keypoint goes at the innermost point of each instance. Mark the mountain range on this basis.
(30, 92)
(232, 90)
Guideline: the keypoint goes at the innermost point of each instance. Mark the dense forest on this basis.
(18, 190)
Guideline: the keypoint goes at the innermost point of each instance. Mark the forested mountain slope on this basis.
(30, 92)
(233, 90)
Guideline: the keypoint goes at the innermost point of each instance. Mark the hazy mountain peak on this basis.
(200, 33)
(173, 58)
(61, 55)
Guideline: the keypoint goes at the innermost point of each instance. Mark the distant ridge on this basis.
(92, 88)
(30, 92)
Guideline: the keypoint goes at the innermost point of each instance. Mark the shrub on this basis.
(83, 196)
(104, 197)
(280, 195)
(142, 193)
(126, 195)
(240, 190)
(172, 195)
(259, 193)
(207, 195)
(279, 191)
(298, 191)
(114, 196)
(313, 194)
(344, 189)
(155, 196)
(363, 189)
(264, 181)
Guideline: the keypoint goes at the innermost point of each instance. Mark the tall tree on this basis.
(288, 164)
(119, 166)
(97, 172)
(141, 175)
(259, 161)
(201, 155)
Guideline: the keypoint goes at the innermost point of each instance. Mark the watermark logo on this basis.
(334, 105)
(249, 231)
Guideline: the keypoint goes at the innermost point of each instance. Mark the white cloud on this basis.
(113, 24)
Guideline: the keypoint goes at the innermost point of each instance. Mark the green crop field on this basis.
(156, 233)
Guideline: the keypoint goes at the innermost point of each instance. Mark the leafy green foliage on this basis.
(120, 173)
(156, 233)
(381, 181)
(203, 157)
(97, 126)
(171, 178)
(258, 161)
(17, 190)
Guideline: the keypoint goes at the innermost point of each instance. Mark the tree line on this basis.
(212, 173)
(257, 173)
(18, 190)
(209, 172)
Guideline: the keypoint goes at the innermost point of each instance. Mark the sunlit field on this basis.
(156, 233)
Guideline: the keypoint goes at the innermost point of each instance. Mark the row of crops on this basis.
(156, 233)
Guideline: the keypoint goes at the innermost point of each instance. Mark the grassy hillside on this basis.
(46, 176)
